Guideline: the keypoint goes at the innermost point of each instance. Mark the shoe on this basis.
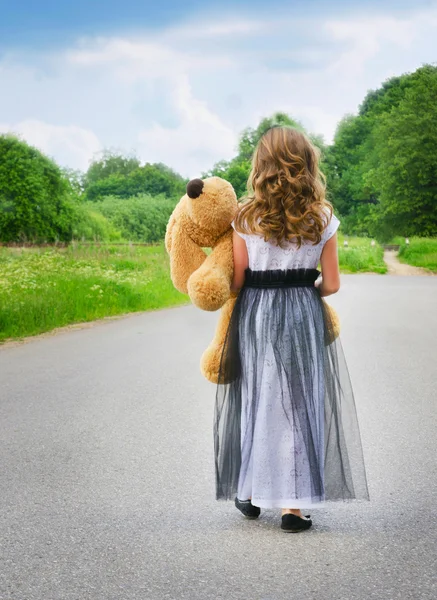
(247, 508)
(294, 524)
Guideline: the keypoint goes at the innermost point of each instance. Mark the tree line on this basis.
(381, 173)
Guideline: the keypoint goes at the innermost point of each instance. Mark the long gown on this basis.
(286, 432)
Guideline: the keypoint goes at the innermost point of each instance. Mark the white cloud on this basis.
(199, 137)
(207, 29)
(182, 95)
(196, 143)
(69, 145)
(366, 37)
(141, 59)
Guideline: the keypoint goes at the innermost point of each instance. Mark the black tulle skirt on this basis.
(285, 426)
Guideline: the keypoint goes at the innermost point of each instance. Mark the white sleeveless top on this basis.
(265, 256)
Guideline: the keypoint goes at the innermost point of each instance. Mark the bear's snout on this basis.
(194, 188)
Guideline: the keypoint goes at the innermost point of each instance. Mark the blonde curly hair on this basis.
(286, 200)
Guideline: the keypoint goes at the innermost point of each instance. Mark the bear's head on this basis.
(202, 219)
(211, 204)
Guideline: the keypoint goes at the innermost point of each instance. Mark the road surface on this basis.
(107, 479)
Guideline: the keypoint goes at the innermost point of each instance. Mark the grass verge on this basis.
(420, 252)
(45, 288)
(360, 256)
(41, 289)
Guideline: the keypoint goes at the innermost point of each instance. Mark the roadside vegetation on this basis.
(420, 252)
(380, 172)
(45, 288)
(359, 256)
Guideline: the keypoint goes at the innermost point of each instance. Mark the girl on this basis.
(285, 433)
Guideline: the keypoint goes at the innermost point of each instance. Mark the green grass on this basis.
(45, 288)
(420, 252)
(41, 289)
(360, 257)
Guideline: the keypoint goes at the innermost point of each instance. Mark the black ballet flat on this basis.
(294, 524)
(247, 508)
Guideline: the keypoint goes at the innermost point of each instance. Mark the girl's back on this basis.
(264, 256)
(286, 434)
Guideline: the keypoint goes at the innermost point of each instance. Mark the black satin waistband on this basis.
(281, 278)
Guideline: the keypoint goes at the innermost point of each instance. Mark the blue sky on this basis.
(29, 21)
(176, 82)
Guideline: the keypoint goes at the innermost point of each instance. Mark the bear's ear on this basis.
(194, 188)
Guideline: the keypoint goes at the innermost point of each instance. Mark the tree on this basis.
(110, 163)
(250, 137)
(387, 97)
(76, 179)
(36, 200)
(345, 164)
(405, 142)
(124, 177)
(237, 170)
(367, 148)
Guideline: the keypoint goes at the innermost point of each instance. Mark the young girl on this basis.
(286, 432)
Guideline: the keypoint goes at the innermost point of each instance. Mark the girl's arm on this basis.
(330, 270)
(241, 261)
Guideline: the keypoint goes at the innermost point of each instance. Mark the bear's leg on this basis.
(210, 361)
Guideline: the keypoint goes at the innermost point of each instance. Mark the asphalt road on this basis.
(107, 479)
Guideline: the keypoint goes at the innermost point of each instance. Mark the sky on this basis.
(177, 81)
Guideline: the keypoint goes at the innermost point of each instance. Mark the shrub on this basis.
(141, 218)
(91, 225)
(420, 252)
(124, 178)
(36, 200)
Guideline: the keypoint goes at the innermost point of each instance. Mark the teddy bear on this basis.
(202, 219)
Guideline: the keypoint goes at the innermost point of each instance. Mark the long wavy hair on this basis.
(286, 190)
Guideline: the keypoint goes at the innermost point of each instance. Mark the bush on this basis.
(141, 218)
(153, 179)
(420, 252)
(90, 225)
(360, 257)
(36, 200)
(47, 288)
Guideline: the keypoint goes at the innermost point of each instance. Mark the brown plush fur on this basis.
(204, 221)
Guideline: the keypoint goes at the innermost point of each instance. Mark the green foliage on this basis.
(364, 220)
(381, 169)
(39, 202)
(124, 177)
(36, 200)
(360, 257)
(91, 225)
(110, 163)
(142, 218)
(76, 179)
(405, 144)
(250, 137)
(420, 252)
(44, 289)
(237, 170)
(387, 97)
(381, 176)
(344, 163)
